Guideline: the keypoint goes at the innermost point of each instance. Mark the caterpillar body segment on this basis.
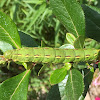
(79, 55)
(69, 55)
(2, 59)
(52, 55)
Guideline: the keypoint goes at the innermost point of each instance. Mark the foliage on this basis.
(35, 19)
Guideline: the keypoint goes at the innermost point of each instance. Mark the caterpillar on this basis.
(52, 55)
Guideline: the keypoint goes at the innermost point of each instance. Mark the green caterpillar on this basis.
(52, 55)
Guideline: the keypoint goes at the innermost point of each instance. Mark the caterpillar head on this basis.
(8, 54)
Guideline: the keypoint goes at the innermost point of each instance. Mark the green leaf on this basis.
(88, 77)
(94, 8)
(81, 97)
(33, 1)
(80, 65)
(79, 42)
(15, 88)
(70, 13)
(27, 40)
(98, 5)
(42, 68)
(4, 46)
(67, 46)
(58, 75)
(8, 31)
(62, 88)
(54, 93)
(70, 38)
(92, 22)
(74, 87)
(99, 66)
(67, 66)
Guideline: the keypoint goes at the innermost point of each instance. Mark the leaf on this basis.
(98, 5)
(70, 38)
(81, 97)
(15, 88)
(67, 46)
(54, 93)
(80, 65)
(94, 8)
(72, 87)
(4, 46)
(44, 65)
(62, 88)
(79, 42)
(70, 13)
(67, 66)
(33, 1)
(88, 77)
(27, 40)
(58, 75)
(92, 22)
(99, 66)
(8, 31)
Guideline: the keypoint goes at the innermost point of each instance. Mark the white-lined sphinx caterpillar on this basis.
(53, 55)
